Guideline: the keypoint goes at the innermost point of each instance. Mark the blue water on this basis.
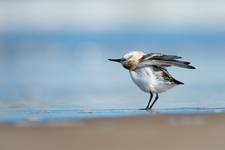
(70, 68)
(67, 70)
(18, 116)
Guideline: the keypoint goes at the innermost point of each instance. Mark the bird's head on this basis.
(130, 60)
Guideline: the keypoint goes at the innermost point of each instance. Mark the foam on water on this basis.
(17, 116)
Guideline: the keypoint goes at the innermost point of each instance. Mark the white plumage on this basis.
(148, 80)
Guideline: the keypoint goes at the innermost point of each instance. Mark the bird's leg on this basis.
(151, 95)
(156, 98)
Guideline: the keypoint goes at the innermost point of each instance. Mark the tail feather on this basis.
(177, 82)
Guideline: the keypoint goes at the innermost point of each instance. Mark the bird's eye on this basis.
(122, 59)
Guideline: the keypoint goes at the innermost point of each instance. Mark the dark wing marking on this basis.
(160, 56)
(163, 60)
(165, 75)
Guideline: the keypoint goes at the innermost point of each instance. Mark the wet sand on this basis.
(159, 132)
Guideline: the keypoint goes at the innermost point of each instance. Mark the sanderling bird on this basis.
(149, 73)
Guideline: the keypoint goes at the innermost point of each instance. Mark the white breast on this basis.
(148, 80)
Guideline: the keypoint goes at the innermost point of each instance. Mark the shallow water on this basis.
(18, 116)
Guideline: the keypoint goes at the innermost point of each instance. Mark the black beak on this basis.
(116, 60)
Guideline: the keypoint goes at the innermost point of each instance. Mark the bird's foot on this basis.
(142, 109)
(149, 110)
(146, 109)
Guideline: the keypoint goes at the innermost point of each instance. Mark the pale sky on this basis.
(98, 15)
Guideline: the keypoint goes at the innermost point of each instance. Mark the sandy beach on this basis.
(170, 132)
